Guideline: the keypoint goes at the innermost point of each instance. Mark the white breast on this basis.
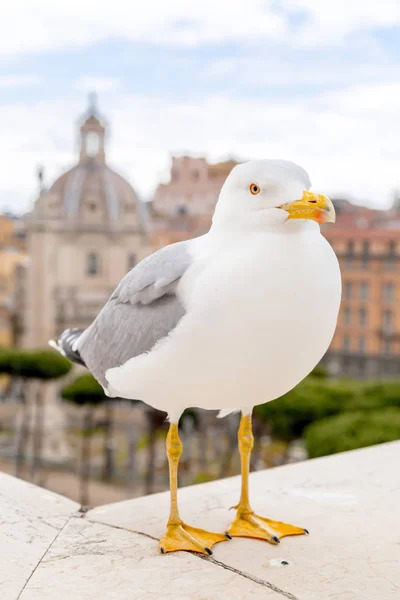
(261, 314)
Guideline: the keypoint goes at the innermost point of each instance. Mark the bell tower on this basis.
(92, 134)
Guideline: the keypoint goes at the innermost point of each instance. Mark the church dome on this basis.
(93, 180)
(91, 190)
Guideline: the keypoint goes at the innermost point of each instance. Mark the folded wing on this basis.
(143, 309)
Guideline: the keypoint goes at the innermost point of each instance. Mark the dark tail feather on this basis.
(65, 345)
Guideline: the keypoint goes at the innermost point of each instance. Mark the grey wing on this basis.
(143, 309)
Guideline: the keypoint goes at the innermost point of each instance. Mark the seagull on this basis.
(229, 320)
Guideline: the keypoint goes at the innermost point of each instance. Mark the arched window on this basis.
(92, 264)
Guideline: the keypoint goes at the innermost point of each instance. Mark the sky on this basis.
(314, 81)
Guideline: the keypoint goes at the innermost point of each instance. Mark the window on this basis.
(362, 317)
(349, 254)
(365, 255)
(346, 343)
(387, 320)
(364, 290)
(388, 291)
(361, 344)
(390, 261)
(387, 346)
(92, 264)
(92, 206)
(195, 174)
(348, 289)
(347, 316)
(132, 261)
(174, 175)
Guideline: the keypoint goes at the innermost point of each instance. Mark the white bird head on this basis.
(265, 193)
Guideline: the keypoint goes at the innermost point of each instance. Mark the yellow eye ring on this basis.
(254, 189)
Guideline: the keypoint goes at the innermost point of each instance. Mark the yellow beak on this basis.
(312, 206)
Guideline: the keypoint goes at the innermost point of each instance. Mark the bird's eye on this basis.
(254, 189)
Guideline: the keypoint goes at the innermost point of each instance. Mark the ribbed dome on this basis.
(94, 179)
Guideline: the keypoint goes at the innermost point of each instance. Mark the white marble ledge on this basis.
(30, 520)
(349, 502)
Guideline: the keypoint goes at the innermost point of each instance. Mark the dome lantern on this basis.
(92, 134)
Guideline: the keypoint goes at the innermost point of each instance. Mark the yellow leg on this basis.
(178, 535)
(247, 523)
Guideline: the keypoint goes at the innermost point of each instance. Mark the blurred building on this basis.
(89, 228)
(83, 234)
(12, 254)
(183, 207)
(367, 339)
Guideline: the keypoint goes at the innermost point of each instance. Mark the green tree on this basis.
(86, 393)
(352, 430)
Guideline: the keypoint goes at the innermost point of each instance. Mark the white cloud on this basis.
(275, 72)
(97, 84)
(49, 25)
(12, 81)
(53, 25)
(346, 140)
(331, 21)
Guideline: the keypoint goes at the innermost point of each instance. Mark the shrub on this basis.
(84, 390)
(33, 364)
(319, 372)
(311, 400)
(352, 430)
(376, 395)
(5, 361)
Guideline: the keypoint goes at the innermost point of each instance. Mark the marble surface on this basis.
(30, 520)
(349, 502)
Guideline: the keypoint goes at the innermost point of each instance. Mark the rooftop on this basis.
(349, 502)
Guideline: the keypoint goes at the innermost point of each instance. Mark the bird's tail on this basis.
(66, 345)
